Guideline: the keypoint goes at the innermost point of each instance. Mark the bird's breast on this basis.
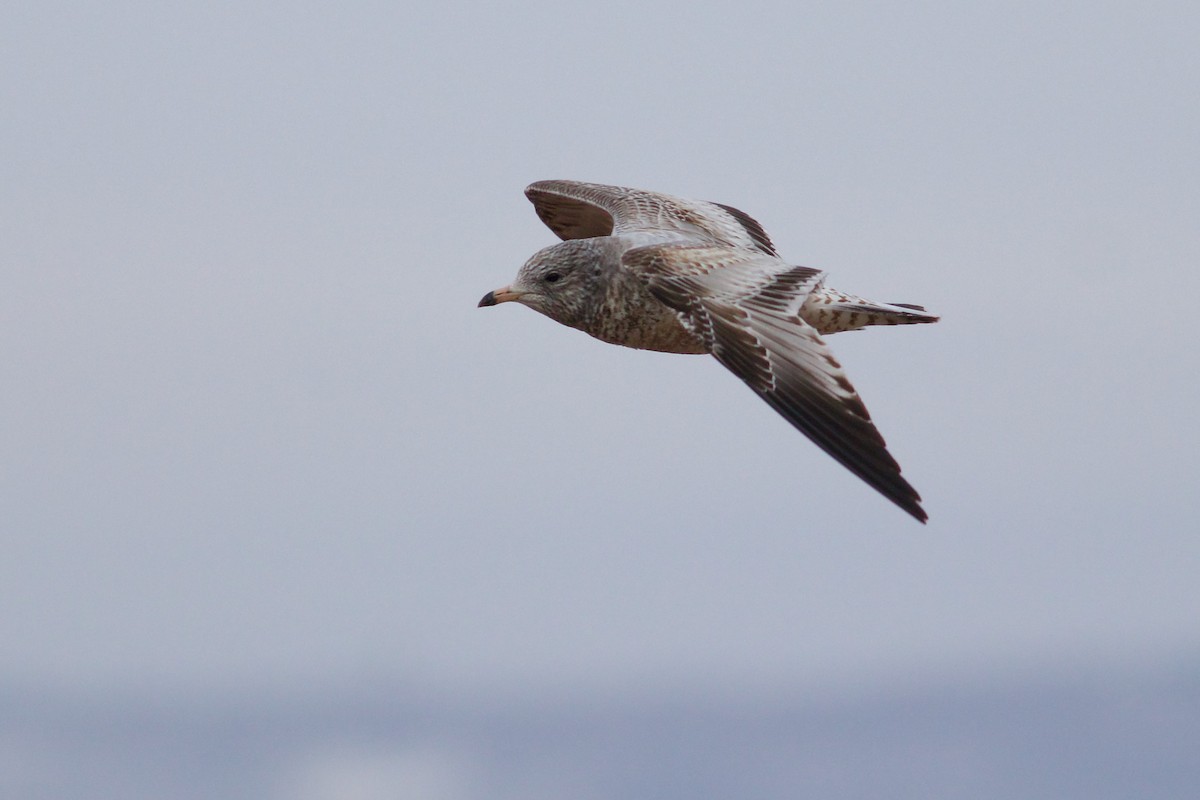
(634, 318)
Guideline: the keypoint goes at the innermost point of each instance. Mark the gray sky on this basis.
(254, 431)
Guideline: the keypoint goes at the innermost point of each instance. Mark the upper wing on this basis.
(575, 210)
(746, 308)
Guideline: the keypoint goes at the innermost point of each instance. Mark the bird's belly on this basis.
(655, 328)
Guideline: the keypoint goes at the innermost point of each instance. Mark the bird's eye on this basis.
(552, 277)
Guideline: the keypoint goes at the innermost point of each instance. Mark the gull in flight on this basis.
(655, 272)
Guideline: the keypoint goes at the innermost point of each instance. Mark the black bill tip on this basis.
(489, 299)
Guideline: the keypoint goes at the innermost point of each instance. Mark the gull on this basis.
(655, 272)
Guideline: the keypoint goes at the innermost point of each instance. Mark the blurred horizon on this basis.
(1097, 733)
(842, 686)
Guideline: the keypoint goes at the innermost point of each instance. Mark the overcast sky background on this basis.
(255, 433)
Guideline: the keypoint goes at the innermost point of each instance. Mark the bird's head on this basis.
(560, 281)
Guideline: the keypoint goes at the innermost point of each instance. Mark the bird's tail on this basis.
(836, 312)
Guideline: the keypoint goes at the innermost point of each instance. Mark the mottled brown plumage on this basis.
(655, 272)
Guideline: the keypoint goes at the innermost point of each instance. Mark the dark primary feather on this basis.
(756, 232)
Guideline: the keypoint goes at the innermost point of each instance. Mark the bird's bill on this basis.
(499, 296)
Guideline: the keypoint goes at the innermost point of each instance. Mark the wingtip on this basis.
(912, 506)
(903, 496)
